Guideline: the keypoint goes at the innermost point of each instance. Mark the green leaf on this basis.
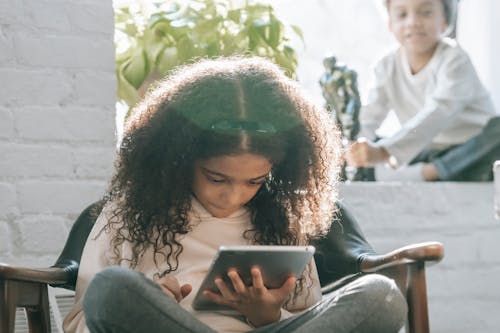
(179, 31)
(234, 15)
(130, 29)
(275, 33)
(125, 91)
(298, 32)
(167, 60)
(136, 69)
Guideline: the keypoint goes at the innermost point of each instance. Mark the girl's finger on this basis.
(172, 284)
(224, 289)
(238, 284)
(288, 285)
(219, 299)
(257, 281)
(167, 292)
(186, 290)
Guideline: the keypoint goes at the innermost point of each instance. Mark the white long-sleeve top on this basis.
(444, 104)
(199, 247)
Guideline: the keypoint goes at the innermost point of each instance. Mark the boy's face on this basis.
(224, 184)
(417, 24)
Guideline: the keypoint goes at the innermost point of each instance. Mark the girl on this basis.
(224, 152)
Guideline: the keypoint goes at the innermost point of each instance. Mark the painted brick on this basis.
(416, 207)
(66, 124)
(34, 87)
(89, 2)
(4, 239)
(8, 199)
(28, 161)
(29, 260)
(48, 14)
(6, 56)
(92, 124)
(463, 287)
(95, 88)
(487, 240)
(11, 12)
(48, 123)
(464, 316)
(7, 124)
(92, 163)
(480, 282)
(58, 197)
(64, 51)
(42, 234)
(92, 18)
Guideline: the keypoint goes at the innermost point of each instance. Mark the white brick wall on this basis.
(463, 289)
(57, 96)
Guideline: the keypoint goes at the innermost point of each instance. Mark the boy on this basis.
(450, 129)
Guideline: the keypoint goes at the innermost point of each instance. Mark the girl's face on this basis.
(224, 184)
(417, 25)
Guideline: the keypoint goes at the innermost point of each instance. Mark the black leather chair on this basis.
(341, 256)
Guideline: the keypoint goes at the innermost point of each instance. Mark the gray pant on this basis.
(122, 300)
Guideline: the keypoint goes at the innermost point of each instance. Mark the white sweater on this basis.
(200, 245)
(442, 105)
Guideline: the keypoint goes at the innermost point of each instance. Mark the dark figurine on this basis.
(340, 89)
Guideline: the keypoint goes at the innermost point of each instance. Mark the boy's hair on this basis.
(215, 108)
(450, 10)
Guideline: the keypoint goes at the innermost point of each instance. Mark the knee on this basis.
(386, 298)
(106, 290)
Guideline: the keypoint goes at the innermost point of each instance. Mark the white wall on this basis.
(57, 95)
(478, 35)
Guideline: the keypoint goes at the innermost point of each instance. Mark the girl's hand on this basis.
(364, 153)
(260, 305)
(172, 288)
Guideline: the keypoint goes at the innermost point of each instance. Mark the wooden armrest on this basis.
(421, 252)
(51, 275)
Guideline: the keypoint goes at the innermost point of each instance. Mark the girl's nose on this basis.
(235, 196)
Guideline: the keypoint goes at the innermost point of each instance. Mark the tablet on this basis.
(276, 263)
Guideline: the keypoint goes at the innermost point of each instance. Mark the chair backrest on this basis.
(339, 253)
(69, 259)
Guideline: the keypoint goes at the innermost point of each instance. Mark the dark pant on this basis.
(470, 161)
(125, 301)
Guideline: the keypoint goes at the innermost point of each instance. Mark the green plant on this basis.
(152, 39)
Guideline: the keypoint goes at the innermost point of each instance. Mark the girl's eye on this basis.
(256, 183)
(216, 180)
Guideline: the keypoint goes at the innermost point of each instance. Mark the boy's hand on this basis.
(172, 288)
(261, 306)
(364, 153)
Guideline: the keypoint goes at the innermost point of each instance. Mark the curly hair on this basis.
(179, 123)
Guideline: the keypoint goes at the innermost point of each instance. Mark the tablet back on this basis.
(276, 263)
